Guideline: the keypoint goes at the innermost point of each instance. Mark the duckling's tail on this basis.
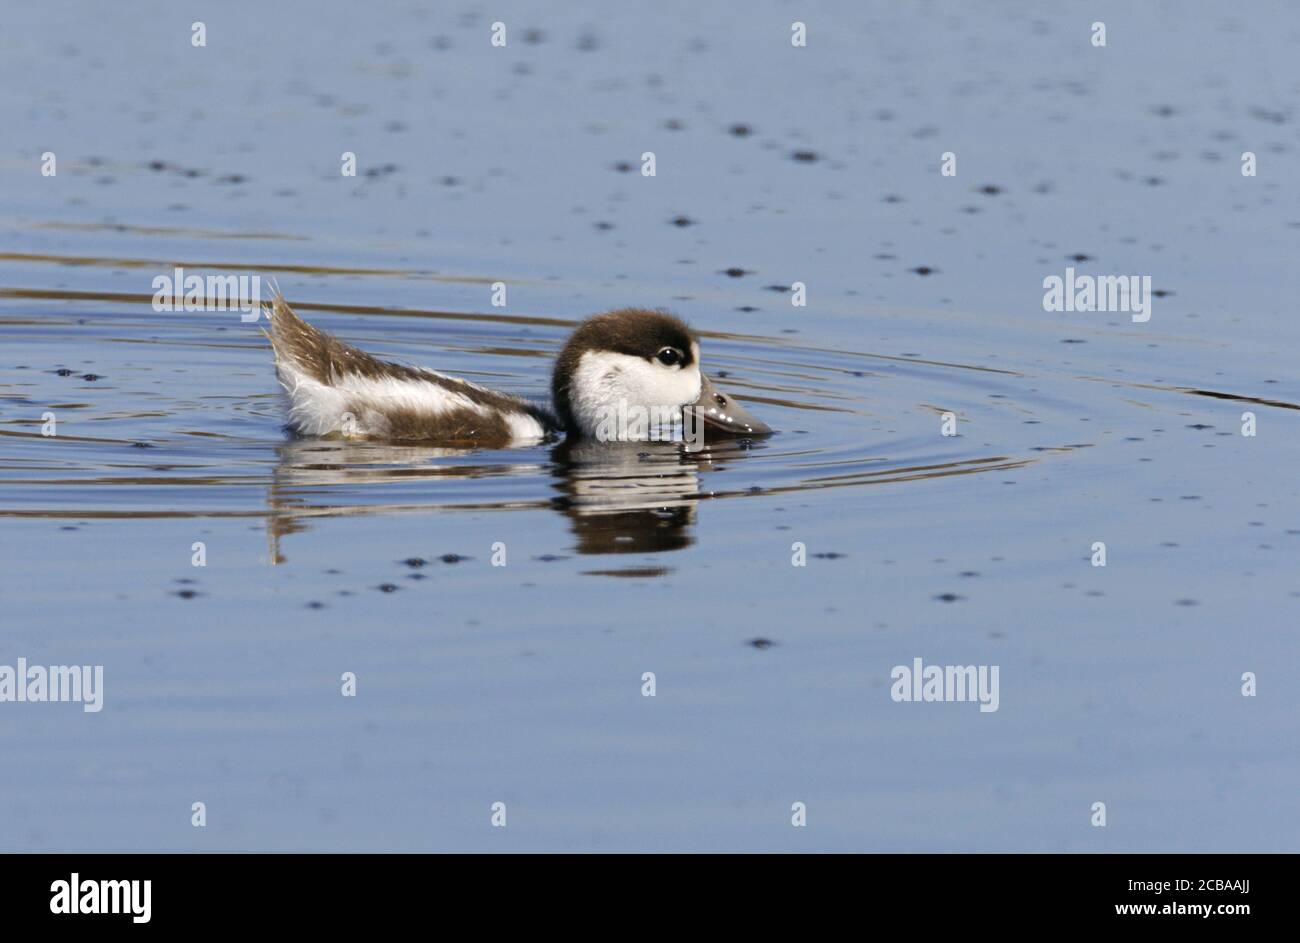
(300, 349)
(311, 365)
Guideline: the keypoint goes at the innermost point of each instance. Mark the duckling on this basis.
(629, 375)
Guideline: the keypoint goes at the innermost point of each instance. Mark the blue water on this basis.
(522, 683)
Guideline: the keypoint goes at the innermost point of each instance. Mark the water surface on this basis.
(522, 683)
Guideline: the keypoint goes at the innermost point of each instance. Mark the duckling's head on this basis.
(626, 375)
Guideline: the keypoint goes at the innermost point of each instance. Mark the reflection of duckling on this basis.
(618, 497)
(627, 498)
(621, 376)
(598, 478)
(340, 478)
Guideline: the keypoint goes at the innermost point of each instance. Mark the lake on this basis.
(502, 612)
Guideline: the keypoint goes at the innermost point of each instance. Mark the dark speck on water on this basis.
(1271, 116)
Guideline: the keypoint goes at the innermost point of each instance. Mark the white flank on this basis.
(356, 407)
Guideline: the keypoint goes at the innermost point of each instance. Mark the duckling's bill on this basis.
(722, 412)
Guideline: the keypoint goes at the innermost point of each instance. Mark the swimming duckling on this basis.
(625, 375)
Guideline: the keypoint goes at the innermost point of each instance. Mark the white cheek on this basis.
(653, 384)
(605, 381)
(665, 386)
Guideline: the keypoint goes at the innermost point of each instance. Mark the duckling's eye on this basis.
(669, 356)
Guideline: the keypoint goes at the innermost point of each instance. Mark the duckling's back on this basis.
(337, 390)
